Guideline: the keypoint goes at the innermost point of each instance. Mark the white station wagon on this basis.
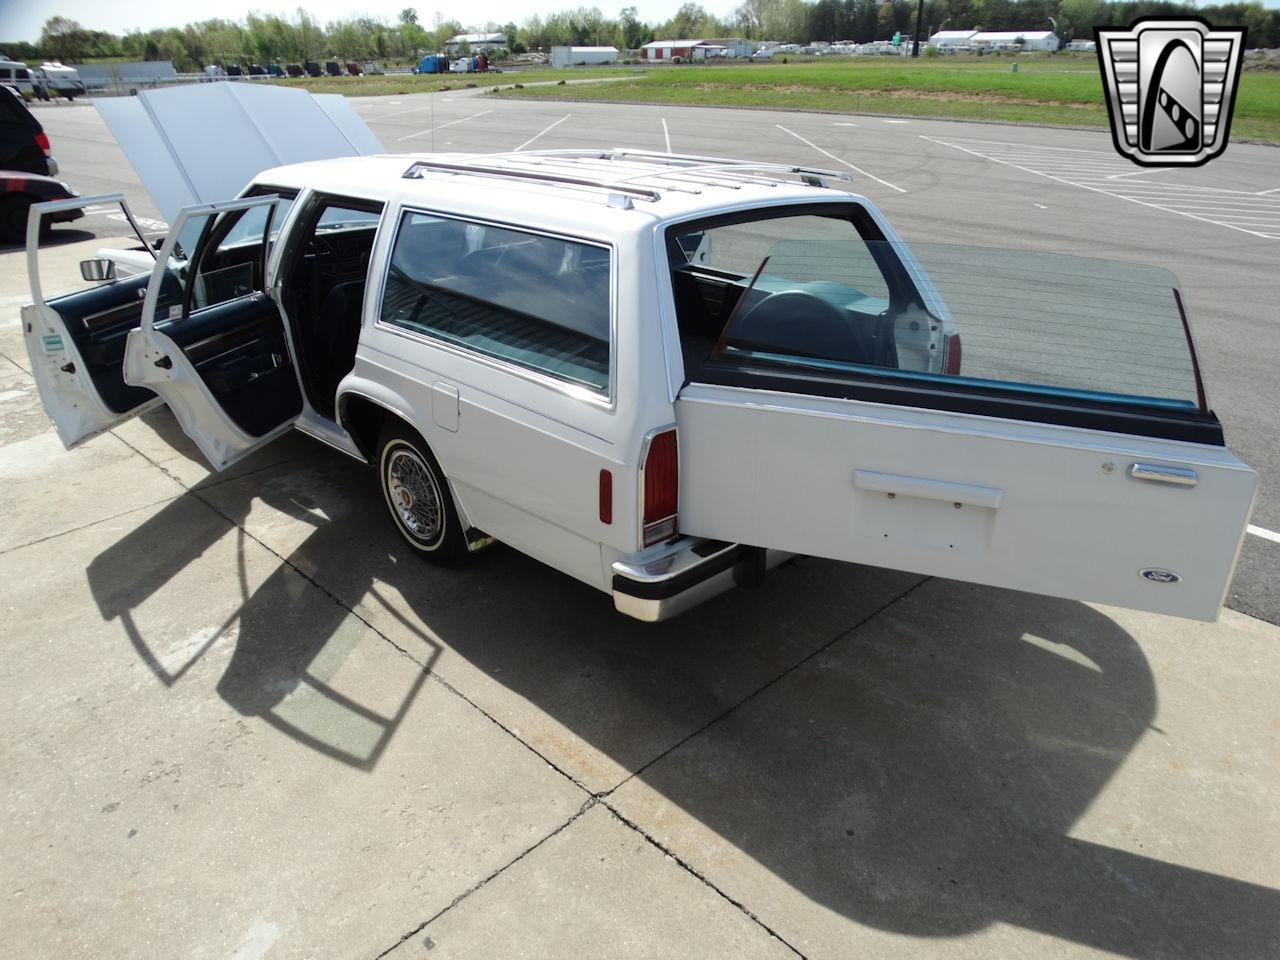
(662, 374)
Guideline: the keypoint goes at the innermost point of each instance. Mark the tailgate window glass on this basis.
(537, 301)
(826, 299)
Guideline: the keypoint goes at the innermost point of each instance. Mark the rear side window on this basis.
(537, 301)
(815, 300)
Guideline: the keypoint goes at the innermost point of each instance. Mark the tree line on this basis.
(267, 38)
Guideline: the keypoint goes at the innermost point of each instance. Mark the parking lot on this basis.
(241, 720)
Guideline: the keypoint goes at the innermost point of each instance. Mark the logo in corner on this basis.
(1170, 86)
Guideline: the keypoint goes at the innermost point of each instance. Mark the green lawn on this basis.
(1056, 90)
(402, 83)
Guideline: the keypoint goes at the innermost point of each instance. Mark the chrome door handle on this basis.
(1178, 476)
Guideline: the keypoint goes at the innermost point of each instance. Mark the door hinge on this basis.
(164, 363)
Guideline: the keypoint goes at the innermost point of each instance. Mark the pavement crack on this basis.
(732, 708)
(86, 526)
(587, 804)
(424, 666)
(697, 874)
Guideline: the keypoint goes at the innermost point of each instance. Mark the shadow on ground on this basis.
(919, 776)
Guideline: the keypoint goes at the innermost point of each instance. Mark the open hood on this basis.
(204, 142)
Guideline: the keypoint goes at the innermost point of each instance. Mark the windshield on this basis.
(835, 298)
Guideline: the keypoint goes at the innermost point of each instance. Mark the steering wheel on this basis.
(797, 322)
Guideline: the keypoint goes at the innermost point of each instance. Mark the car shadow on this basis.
(921, 775)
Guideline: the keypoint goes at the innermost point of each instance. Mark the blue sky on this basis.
(22, 19)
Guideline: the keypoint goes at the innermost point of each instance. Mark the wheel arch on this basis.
(363, 417)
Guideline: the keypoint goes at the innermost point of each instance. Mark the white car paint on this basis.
(1033, 506)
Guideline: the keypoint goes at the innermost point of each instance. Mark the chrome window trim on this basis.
(607, 401)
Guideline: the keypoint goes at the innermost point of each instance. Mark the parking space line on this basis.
(828, 153)
(1264, 533)
(1233, 209)
(396, 113)
(423, 133)
(1263, 193)
(545, 130)
(666, 134)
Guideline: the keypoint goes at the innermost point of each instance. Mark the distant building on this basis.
(99, 75)
(581, 56)
(1041, 40)
(476, 42)
(685, 50)
(952, 38)
(733, 46)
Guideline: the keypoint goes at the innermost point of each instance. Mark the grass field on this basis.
(1055, 90)
(398, 84)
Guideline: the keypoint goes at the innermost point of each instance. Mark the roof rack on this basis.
(622, 192)
(682, 173)
(687, 163)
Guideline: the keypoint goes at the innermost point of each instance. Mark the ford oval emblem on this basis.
(1159, 576)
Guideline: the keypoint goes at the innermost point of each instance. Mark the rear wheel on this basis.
(417, 494)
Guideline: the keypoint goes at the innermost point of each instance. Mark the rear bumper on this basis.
(664, 581)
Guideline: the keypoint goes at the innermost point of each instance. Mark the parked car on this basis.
(295, 70)
(24, 146)
(27, 171)
(662, 375)
(19, 192)
(333, 68)
(16, 76)
(59, 81)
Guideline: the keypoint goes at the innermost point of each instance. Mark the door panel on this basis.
(76, 341)
(219, 357)
(1047, 509)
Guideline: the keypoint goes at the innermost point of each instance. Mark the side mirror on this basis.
(98, 270)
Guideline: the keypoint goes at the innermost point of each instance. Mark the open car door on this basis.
(1071, 452)
(76, 340)
(212, 342)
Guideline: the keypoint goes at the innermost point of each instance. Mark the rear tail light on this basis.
(42, 141)
(951, 354)
(661, 488)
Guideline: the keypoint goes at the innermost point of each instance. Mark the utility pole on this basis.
(915, 38)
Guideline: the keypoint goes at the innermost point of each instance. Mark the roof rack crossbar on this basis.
(712, 162)
(415, 169)
(684, 160)
(729, 170)
(591, 164)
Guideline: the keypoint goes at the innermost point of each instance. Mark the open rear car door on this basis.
(76, 340)
(212, 342)
(1071, 453)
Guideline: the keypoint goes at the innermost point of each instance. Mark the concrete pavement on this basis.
(241, 720)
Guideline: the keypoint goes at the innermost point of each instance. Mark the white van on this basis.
(59, 80)
(17, 75)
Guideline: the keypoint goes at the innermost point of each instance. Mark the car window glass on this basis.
(831, 308)
(537, 301)
(232, 267)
